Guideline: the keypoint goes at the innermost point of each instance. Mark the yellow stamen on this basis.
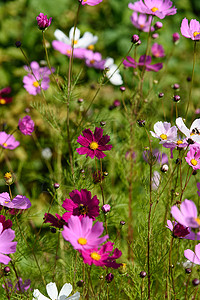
(91, 47)
(35, 84)
(5, 145)
(68, 51)
(194, 162)
(6, 202)
(75, 42)
(196, 33)
(197, 220)
(95, 256)
(163, 136)
(83, 209)
(142, 26)
(8, 175)
(179, 142)
(82, 241)
(154, 9)
(2, 101)
(92, 61)
(94, 145)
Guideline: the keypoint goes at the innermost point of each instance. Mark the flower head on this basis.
(82, 235)
(144, 61)
(26, 125)
(164, 132)
(175, 37)
(191, 31)
(192, 133)
(94, 59)
(159, 8)
(141, 22)
(6, 244)
(7, 141)
(19, 202)
(93, 144)
(81, 204)
(43, 22)
(181, 231)
(3, 96)
(157, 50)
(52, 292)
(90, 2)
(193, 158)
(56, 221)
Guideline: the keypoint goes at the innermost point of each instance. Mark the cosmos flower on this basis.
(67, 50)
(43, 22)
(192, 133)
(141, 21)
(90, 2)
(187, 215)
(52, 292)
(19, 202)
(157, 50)
(81, 204)
(7, 141)
(6, 244)
(181, 231)
(143, 61)
(3, 96)
(93, 144)
(82, 235)
(193, 158)
(26, 125)
(164, 132)
(193, 256)
(56, 221)
(94, 59)
(158, 8)
(101, 257)
(191, 31)
(113, 72)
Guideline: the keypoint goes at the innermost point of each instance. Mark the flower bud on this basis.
(143, 274)
(122, 88)
(155, 36)
(102, 123)
(176, 86)
(18, 44)
(164, 168)
(122, 269)
(160, 95)
(175, 37)
(141, 123)
(8, 178)
(176, 98)
(135, 38)
(43, 22)
(26, 125)
(6, 270)
(109, 277)
(80, 283)
(105, 208)
(80, 100)
(188, 271)
(195, 281)
(56, 185)
(122, 223)
(158, 25)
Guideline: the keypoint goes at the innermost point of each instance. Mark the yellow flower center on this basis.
(75, 42)
(196, 33)
(6, 202)
(95, 256)
(179, 142)
(68, 51)
(194, 162)
(163, 136)
(8, 175)
(141, 25)
(2, 101)
(92, 61)
(197, 220)
(83, 209)
(91, 47)
(82, 241)
(84, 0)
(154, 9)
(35, 84)
(5, 145)
(94, 145)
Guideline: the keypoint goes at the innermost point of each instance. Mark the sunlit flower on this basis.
(8, 141)
(141, 21)
(191, 31)
(52, 292)
(82, 235)
(6, 244)
(144, 61)
(26, 125)
(93, 144)
(164, 132)
(159, 8)
(157, 50)
(19, 202)
(3, 96)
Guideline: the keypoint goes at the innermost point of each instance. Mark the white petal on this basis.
(76, 296)
(61, 37)
(195, 124)
(87, 40)
(65, 291)
(52, 290)
(181, 126)
(39, 296)
(76, 36)
(109, 62)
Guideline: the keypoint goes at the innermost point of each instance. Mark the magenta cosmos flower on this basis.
(43, 22)
(141, 22)
(181, 231)
(90, 2)
(93, 144)
(143, 61)
(164, 132)
(81, 204)
(191, 31)
(101, 257)
(193, 158)
(56, 221)
(19, 202)
(187, 215)
(82, 235)
(8, 141)
(67, 49)
(94, 59)
(26, 125)
(158, 8)
(3, 96)
(6, 244)
(193, 256)
(157, 50)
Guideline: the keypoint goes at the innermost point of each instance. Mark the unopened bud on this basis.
(8, 178)
(164, 168)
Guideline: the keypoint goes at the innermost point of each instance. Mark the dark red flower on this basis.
(3, 98)
(56, 221)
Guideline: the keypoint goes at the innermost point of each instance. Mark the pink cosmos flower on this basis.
(81, 204)
(141, 22)
(43, 22)
(19, 202)
(181, 231)
(26, 125)
(159, 8)
(67, 49)
(143, 61)
(40, 80)
(187, 215)
(193, 158)
(8, 141)
(94, 59)
(191, 31)
(164, 132)
(157, 50)
(93, 144)
(82, 235)
(6, 244)
(101, 257)
(56, 221)
(3, 96)
(90, 2)
(193, 256)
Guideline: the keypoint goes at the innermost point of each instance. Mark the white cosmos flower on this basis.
(52, 292)
(164, 132)
(192, 133)
(87, 40)
(113, 73)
